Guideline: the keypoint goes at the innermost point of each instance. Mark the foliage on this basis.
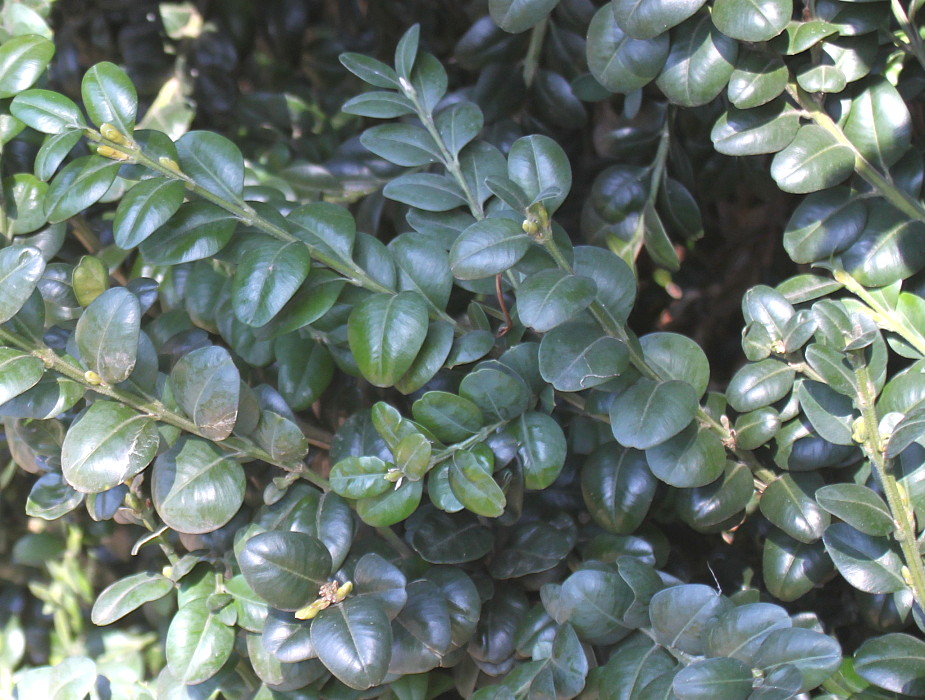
(383, 385)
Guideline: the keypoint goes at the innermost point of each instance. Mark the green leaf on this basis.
(890, 248)
(385, 333)
(739, 632)
(406, 51)
(380, 104)
(198, 643)
(813, 161)
(281, 438)
(694, 457)
(757, 79)
(541, 448)
(713, 679)
(214, 162)
(195, 487)
(107, 334)
(831, 414)
(369, 69)
(458, 124)
(759, 384)
(792, 568)
(354, 641)
(360, 477)
(675, 356)
(442, 538)
(73, 677)
(533, 547)
(206, 384)
(537, 163)
(474, 486)
(593, 602)
(425, 191)
(269, 274)
(430, 358)
(81, 183)
(499, 394)
(449, 417)
(129, 594)
(110, 97)
(52, 396)
(108, 444)
(644, 19)
(517, 16)
(682, 616)
(650, 412)
(421, 634)
(616, 283)
(144, 209)
(816, 655)
(305, 370)
(858, 506)
(51, 497)
(823, 224)
(286, 569)
(327, 229)
(403, 144)
(391, 507)
(894, 662)
(879, 124)
(576, 355)
(18, 373)
(487, 247)
(868, 563)
(198, 230)
(789, 503)
(53, 152)
(380, 580)
(617, 59)
(22, 60)
(710, 508)
(423, 267)
(752, 21)
(47, 111)
(548, 298)
(822, 79)
(699, 64)
(765, 129)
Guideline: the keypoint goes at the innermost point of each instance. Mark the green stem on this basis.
(532, 59)
(909, 29)
(903, 517)
(146, 514)
(474, 439)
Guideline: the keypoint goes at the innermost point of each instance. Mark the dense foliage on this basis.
(339, 353)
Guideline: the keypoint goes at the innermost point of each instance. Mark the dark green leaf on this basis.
(816, 655)
(879, 124)
(532, 548)
(474, 486)
(577, 355)
(107, 445)
(81, 183)
(458, 124)
(425, 191)
(682, 616)
(213, 162)
(196, 488)
(441, 538)
(824, 223)
(430, 357)
(380, 104)
(51, 497)
(548, 298)
(693, 457)
(713, 679)
(354, 641)
(739, 632)
(517, 16)
(890, 248)
(198, 230)
(360, 477)
(449, 417)
(759, 384)
(710, 508)
(593, 602)
(391, 507)
(499, 394)
(617, 60)
(645, 19)
(328, 230)
(675, 356)
(649, 412)
(385, 333)
(305, 370)
(699, 64)
(18, 373)
(421, 633)
(286, 569)
(402, 144)
(369, 69)
(20, 270)
(757, 79)
(487, 247)
(145, 208)
(789, 503)
(537, 163)
(765, 129)
(53, 152)
(792, 568)
(541, 448)
(269, 274)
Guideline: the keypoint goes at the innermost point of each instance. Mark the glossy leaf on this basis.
(816, 655)
(385, 333)
(20, 270)
(517, 16)
(498, 394)
(474, 486)
(213, 162)
(649, 412)
(868, 563)
(449, 417)
(487, 247)
(879, 124)
(538, 164)
(206, 384)
(442, 538)
(682, 615)
(22, 60)
(748, 21)
(813, 161)
(269, 275)
(107, 334)
(789, 503)
(195, 487)
(716, 679)
(391, 507)
(618, 60)
(286, 569)
(18, 373)
(888, 249)
(80, 184)
(198, 230)
(421, 633)
(354, 641)
(858, 506)
(644, 19)
(541, 448)
(699, 64)
(106, 445)
(694, 457)
(47, 111)
(548, 298)
(760, 384)
(894, 662)
(110, 97)
(198, 643)
(129, 594)
(677, 357)
(360, 477)
(576, 355)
